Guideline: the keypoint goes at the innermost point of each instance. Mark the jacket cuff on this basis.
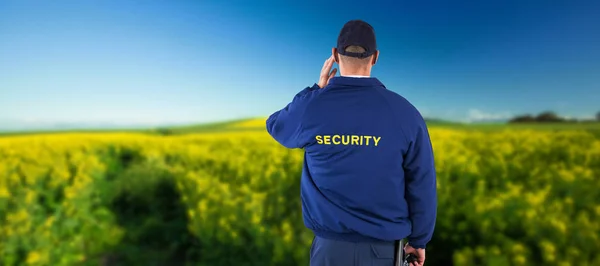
(416, 246)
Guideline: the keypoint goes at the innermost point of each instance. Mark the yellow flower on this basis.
(33, 257)
(4, 193)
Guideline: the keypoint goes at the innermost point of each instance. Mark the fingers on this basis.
(326, 75)
(328, 63)
(417, 263)
(332, 74)
(330, 60)
(419, 254)
(420, 261)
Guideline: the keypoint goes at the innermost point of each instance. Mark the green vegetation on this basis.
(506, 197)
(258, 124)
(206, 128)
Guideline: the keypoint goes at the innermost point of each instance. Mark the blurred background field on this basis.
(507, 196)
(134, 133)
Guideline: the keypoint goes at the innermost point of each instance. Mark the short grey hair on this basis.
(354, 60)
(355, 49)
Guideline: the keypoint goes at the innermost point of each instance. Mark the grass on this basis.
(250, 124)
(592, 127)
(258, 124)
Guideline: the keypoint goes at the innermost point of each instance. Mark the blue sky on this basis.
(153, 62)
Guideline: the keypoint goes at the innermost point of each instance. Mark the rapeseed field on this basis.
(506, 197)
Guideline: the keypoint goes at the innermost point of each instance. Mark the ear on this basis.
(375, 57)
(334, 52)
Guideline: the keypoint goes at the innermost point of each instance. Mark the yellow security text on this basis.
(351, 140)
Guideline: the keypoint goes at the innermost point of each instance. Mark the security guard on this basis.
(368, 179)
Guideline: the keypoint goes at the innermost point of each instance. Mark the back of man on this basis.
(368, 178)
(354, 176)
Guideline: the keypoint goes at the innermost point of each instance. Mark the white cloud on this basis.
(476, 115)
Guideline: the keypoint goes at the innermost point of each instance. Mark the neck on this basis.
(363, 72)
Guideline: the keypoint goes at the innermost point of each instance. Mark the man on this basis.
(368, 177)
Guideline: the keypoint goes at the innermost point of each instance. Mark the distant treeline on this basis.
(549, 117)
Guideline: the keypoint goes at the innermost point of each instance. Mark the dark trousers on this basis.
(327, 252)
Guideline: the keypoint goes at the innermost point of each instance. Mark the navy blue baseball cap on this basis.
(359, 33)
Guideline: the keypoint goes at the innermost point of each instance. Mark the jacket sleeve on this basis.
(285, 125)
(421, 186)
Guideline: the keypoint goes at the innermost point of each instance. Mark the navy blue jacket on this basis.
(368, 170)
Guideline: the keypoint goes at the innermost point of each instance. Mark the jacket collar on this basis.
(356, 82)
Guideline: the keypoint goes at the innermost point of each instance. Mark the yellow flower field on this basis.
(519, 197)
